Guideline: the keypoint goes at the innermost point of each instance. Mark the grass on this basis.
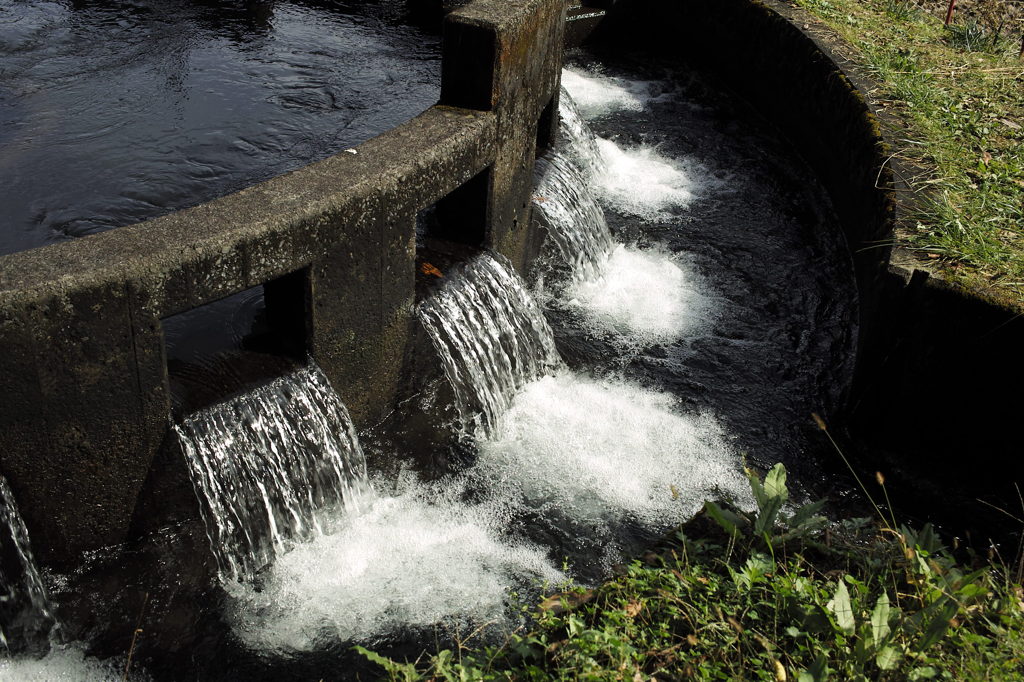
(960, 93)
(768, 595)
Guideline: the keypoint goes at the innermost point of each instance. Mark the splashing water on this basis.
(65, 665)
(640, 182)
(419, 559)
(636, 181)
(642, 297)
(264, 462)
(26, 616)
(491, 337)
(638, 296)
(598, 95)
(578, 140)
(608, 449)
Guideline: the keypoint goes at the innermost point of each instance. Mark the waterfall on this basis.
(263, 463)
(578, 142)
(25, 612)
(575, 220)
(491, 336)
(564, 196)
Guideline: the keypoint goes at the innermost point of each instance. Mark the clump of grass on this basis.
(959, 93)
(974, 36)
(900, 9)
(768, 594)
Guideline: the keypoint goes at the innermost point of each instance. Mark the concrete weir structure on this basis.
(83, 365)
(84, 384)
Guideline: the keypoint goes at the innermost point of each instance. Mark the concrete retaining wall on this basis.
(83, 369)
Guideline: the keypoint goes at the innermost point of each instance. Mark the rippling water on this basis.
(115, 112)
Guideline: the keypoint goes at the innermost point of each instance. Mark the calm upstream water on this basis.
(695, 304)
(115, 112)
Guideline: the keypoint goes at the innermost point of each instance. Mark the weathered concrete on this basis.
(517, 78)
(83, 370)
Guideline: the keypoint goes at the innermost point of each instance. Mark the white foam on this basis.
(641, 182)
(419, 558)
(642, 297)
(598, 95)
(607, 449)
(63, 663)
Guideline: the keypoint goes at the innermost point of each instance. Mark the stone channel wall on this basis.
(83, 367)
(804, 89)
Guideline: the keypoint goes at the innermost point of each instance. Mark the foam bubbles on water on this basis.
(608, 449)
(639, 181)
(63, 664)
(416, 559)
(597, 95)
(641, 297)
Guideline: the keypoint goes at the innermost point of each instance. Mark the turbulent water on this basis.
(29, 632)
(670, 353)
(491, 337)
(577, 140)
(420, 558)
(264, 463)
(637, 296)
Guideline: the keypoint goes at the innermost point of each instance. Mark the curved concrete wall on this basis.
(83, 372)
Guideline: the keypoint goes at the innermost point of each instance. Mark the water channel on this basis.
(694, 304)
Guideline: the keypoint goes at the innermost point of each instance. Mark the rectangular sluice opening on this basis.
(451, 231)
(244, 340)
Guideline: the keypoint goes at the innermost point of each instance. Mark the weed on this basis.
(902, 10)
(768, 595)
(973, 36)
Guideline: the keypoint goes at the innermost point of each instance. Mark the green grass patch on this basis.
(960, 92)
(772, 594)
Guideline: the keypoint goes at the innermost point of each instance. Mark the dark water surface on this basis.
(761, 234)
(115, 112)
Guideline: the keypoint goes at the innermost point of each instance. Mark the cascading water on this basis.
(26, 617)
(638, 296)
(578, 138)
(575, 220)
(491, 336)
(264, 463)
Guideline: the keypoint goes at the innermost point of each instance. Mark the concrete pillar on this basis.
(82, 379)
(507, 58)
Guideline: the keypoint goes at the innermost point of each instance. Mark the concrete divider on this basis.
(83, 368)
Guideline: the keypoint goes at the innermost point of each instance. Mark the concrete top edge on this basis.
(502, 15)
(337, 185)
